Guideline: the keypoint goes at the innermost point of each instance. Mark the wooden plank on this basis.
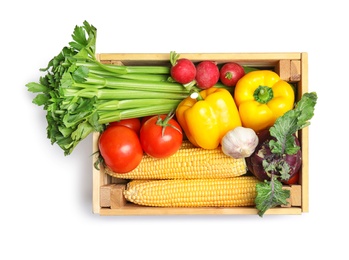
(289, 70)
(200, 56)
(304, 174)
(295, 70)
(253, 59)
(131, 210)
(112, 196)
(283, 68)
(97, 176)
(303, 85)
(105, 196)
(295, 196)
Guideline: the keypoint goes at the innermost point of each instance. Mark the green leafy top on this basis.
(81, 94)
(270, 193)
(64, 114)
(287, 125)
(84, 38)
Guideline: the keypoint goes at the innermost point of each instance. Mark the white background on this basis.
(46, 197)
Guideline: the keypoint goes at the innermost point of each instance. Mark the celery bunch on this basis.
(81, 95)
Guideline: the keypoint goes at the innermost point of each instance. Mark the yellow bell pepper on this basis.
(208, 118)
(261, 97)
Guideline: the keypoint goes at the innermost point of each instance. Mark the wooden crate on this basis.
(293, 67)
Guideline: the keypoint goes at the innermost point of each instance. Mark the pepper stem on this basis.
(196, 95)
(263, 94)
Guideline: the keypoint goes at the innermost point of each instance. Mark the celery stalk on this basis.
(137, 112)
(127, 69)
(81, 95)
(125, 104)
(107, 94)
(136, 76)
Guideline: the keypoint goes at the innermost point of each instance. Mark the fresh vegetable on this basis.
(145, 119)
(133, 123)
(239, 142)
(82, 95)
(161, 136)
(120, 148)
(207, 74)
(256, 163)
(278, 158)
(189, 162)
(206, 118)
(292, 180)
(220, 192)
(230, 73)
(262, 97)
(183, 70)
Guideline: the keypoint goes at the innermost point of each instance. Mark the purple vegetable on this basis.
(262, 152)
(278, 155)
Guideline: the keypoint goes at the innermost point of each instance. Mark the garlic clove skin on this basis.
(240, 142)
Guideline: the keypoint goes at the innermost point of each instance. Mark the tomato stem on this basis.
(165, 122)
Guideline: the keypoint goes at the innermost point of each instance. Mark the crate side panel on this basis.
(99, 178)
(305, 139)
(135, 210)
(248, 59)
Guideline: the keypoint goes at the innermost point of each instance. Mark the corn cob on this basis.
(223, 192)
(188, 162)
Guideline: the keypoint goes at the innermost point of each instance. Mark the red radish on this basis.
(230, 73)
(207, 74)
(183, 70)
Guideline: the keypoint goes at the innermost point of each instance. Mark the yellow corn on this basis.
(224, 192)
(188, 162)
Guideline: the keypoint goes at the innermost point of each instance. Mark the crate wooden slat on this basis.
(111, 196)
(292, 67)
(132, 210)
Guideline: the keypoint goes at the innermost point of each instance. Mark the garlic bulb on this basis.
(240, 142)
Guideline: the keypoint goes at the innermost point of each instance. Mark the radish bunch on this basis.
(204, 74)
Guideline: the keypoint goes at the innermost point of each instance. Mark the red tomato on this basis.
(133, 123)
(161, 140)
(145, 119)
(120, 148)
(293, 180)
